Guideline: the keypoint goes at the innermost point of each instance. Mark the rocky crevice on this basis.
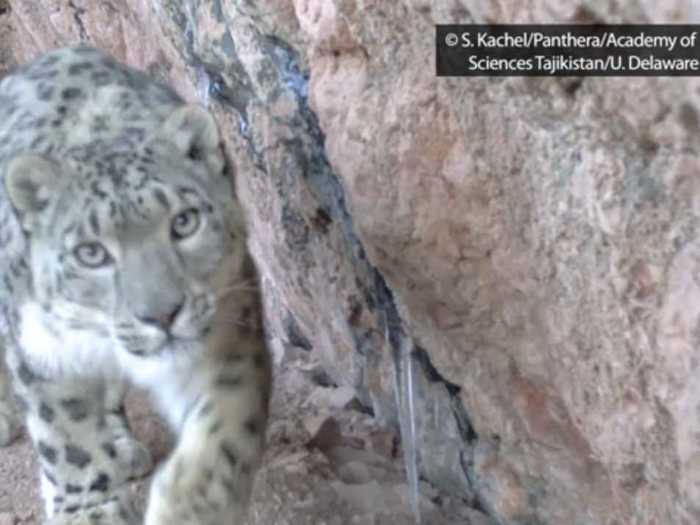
(309, 150)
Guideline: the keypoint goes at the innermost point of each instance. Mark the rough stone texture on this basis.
(529, 246)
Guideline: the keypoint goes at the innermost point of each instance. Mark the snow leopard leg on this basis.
(224, 401)
(86, 453)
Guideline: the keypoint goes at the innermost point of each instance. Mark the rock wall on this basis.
(523, 251)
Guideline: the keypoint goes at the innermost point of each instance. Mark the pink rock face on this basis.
(531, 236)
(539, 236)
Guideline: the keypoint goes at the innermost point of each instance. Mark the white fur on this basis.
(48, 493)
(57, 350)
(176, 377)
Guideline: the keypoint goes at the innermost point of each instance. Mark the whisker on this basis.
(241, 286)
(221, 294)
(247, 284)
(237, 321)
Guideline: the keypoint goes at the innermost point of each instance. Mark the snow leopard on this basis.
(123, 260)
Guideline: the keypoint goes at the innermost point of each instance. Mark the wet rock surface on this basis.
(504, 269)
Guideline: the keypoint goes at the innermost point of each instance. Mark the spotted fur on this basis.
(123, 259)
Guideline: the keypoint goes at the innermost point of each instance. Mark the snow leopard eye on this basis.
(92, 255)
(185, 224)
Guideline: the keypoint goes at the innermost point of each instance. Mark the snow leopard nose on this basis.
(163, 320)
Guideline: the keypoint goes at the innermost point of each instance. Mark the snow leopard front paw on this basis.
(209, 485)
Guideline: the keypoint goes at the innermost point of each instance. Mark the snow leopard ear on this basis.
(194, 132)
(30, 181)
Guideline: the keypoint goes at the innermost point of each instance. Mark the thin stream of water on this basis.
(404, 387)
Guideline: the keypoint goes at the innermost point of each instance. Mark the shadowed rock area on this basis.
(521, 252)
